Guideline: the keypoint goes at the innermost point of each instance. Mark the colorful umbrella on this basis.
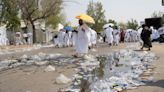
(86, 18)
(68, 28)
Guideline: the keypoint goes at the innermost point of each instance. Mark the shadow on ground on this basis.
(142, 50)
(159, 83)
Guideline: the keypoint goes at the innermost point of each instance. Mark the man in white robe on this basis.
(61, 36)
(70, 38)
(136, 36)
(74, 38)
(89, 35)
(18, 38)
(82, 39)
(56, 41)
(155, 35)
(139, 35)
(99, 39)
(29, 38)
(131, 36)
(3, 36)
(25, 38)
(109, 35)
(93, 37)
(66, 39)
(127, 36)
(116, 36)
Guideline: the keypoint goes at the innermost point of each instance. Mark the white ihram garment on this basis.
(116, 36)
(93, 37)
(82, 40)
(61, 36)
(109, 35)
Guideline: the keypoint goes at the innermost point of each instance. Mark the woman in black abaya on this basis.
(145, 36)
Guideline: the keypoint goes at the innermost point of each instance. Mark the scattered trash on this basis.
(62, 79)
(38, 60)
(49, 68)
(89, 58)
(40, 63)
(126, 76)
(120, 70)
(15, 50)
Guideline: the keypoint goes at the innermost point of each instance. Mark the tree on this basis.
(55, 20)
(9, 14)
(132, 24)
(34, 10)
(112, 21)
(96, 11)
(157, 14)
(122, 25)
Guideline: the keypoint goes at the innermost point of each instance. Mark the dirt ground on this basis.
(34, 79)
(158, 85)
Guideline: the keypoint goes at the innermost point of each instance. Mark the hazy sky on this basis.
(119, 10)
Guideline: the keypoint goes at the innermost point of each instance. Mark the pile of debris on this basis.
(129, 69)
(121, 70)
(16, 50)
(38, 60)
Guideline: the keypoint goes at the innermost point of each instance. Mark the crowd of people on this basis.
(25, 38)
(68, 38)
(111, 35)
(84, 38)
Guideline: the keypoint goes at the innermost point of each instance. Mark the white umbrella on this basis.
(111, 24)
(128, 30)
(107, 25)
(161, 30)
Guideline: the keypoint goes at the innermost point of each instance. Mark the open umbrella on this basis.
(161, 30)
(68, 28)
(86, 18)
(111, 24)
(128, 30)
(107, 25)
